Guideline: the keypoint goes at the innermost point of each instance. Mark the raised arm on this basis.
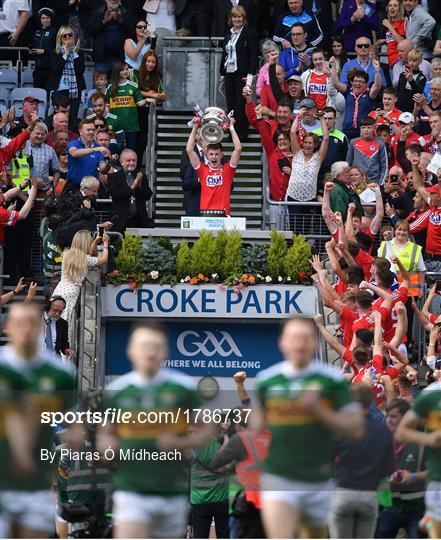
(341, 87)
(192, 155)
(325, 142)
(237, 150)
(331, 340)
(376, 87)
(295, 147)
(27, 207)
(379, 208)
(349, 227)
(378, 333)
(326, 207)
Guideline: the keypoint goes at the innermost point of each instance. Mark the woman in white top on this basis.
(306, 163)
(136, 46)
(74, 267)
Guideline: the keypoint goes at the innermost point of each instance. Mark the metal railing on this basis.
(151, 155)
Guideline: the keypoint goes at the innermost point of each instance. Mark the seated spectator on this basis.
(129, 191)
(368, 152)
(337, 145)
(436, 73)
(296, 14)
(357, 20)
(67, 70)
(267, 98)
(271, 53)
(363, 62)
(221, 13)
(419, 25)
(412, 81)
(55, 329)
(393, 31)
(84, 155)
(404, 48)
(190, 182)
(161, 14)
(76, 262)
(316, 83)
(297, 57)
(109, 26)
(306, 163)
(16, 14)
(359, 98)
(124, 97)
(44, 162)
(238, 61)
(30, 108)
(112, 121)
(138, 44)
(423, 109)
(342, 193)
(99, 86)
(387, 114)
(60, 122)
(43, 43)
(216, 178)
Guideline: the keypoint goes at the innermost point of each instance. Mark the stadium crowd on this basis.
(350, 453)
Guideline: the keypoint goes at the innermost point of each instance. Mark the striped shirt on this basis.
(45, 162)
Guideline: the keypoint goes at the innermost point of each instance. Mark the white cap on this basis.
(406, 118)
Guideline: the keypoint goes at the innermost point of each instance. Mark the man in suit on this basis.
(129, 191)
(55, 329)
(190, 182)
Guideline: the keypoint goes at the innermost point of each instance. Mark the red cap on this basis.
(30, 99)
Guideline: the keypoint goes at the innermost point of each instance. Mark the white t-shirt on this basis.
(303, 180)
(10, 14)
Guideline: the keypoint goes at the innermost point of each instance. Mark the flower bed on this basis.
(223, 260)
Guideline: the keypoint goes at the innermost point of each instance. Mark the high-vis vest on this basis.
(250, 469)
(409, 259)
(20, 169)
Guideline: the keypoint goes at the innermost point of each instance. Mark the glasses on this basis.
(141, 27)
(363, 46)
(69, 35)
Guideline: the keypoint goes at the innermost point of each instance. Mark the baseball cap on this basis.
(295, 78)
(406, 118)
(308, 103)
(30, 99)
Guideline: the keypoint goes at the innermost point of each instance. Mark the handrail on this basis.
(151, 157)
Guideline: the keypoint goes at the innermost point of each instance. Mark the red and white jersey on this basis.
(430, 220)
(7, 219)
(316, 87)
(216, 186)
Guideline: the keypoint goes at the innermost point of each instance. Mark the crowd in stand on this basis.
(340, 127)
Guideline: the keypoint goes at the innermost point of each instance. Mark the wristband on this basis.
(413, 478)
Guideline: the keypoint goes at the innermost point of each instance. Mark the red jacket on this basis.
(16, 144)
(267, 98)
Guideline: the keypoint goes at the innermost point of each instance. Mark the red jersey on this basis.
(430, 220)
(433, 318)
(364, 260)
(216, 186)
(317, 88)
(366, 321)
(391, 118)
(390, 323)
(347, 318)
(391, 44)
(7, 219)
(412, 138)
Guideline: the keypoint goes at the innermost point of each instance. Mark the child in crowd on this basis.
(42, 44)
(412, 81)
(99, 85)
(383, 134)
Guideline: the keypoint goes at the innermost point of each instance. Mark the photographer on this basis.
(109, 27)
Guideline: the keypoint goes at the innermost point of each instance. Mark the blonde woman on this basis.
(75, 264)
(67, 69)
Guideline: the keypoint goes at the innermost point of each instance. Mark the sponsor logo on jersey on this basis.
(315, 88)
(214, 180)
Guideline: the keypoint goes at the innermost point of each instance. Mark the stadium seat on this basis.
(88, 77)
(18, 95)
(27, 80)
(8, 81)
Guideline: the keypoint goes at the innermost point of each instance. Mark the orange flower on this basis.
(193, 280)
(244, 278)
(252, 279)
(201, 276)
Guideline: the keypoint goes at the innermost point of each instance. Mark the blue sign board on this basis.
(199, 349)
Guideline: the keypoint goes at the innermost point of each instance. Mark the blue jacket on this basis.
(282, 29)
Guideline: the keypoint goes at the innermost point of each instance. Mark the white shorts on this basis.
(34, 510)
(311, 500)
(165, 516)
(433, 500)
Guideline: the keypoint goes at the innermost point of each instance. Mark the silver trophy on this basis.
(214, 121)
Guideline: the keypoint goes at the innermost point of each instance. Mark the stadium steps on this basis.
(172, 134)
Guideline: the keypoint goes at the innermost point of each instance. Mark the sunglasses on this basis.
(363, 46)
(69, 35)
(141, 27)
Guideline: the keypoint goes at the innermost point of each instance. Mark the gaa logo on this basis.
(191, 343)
